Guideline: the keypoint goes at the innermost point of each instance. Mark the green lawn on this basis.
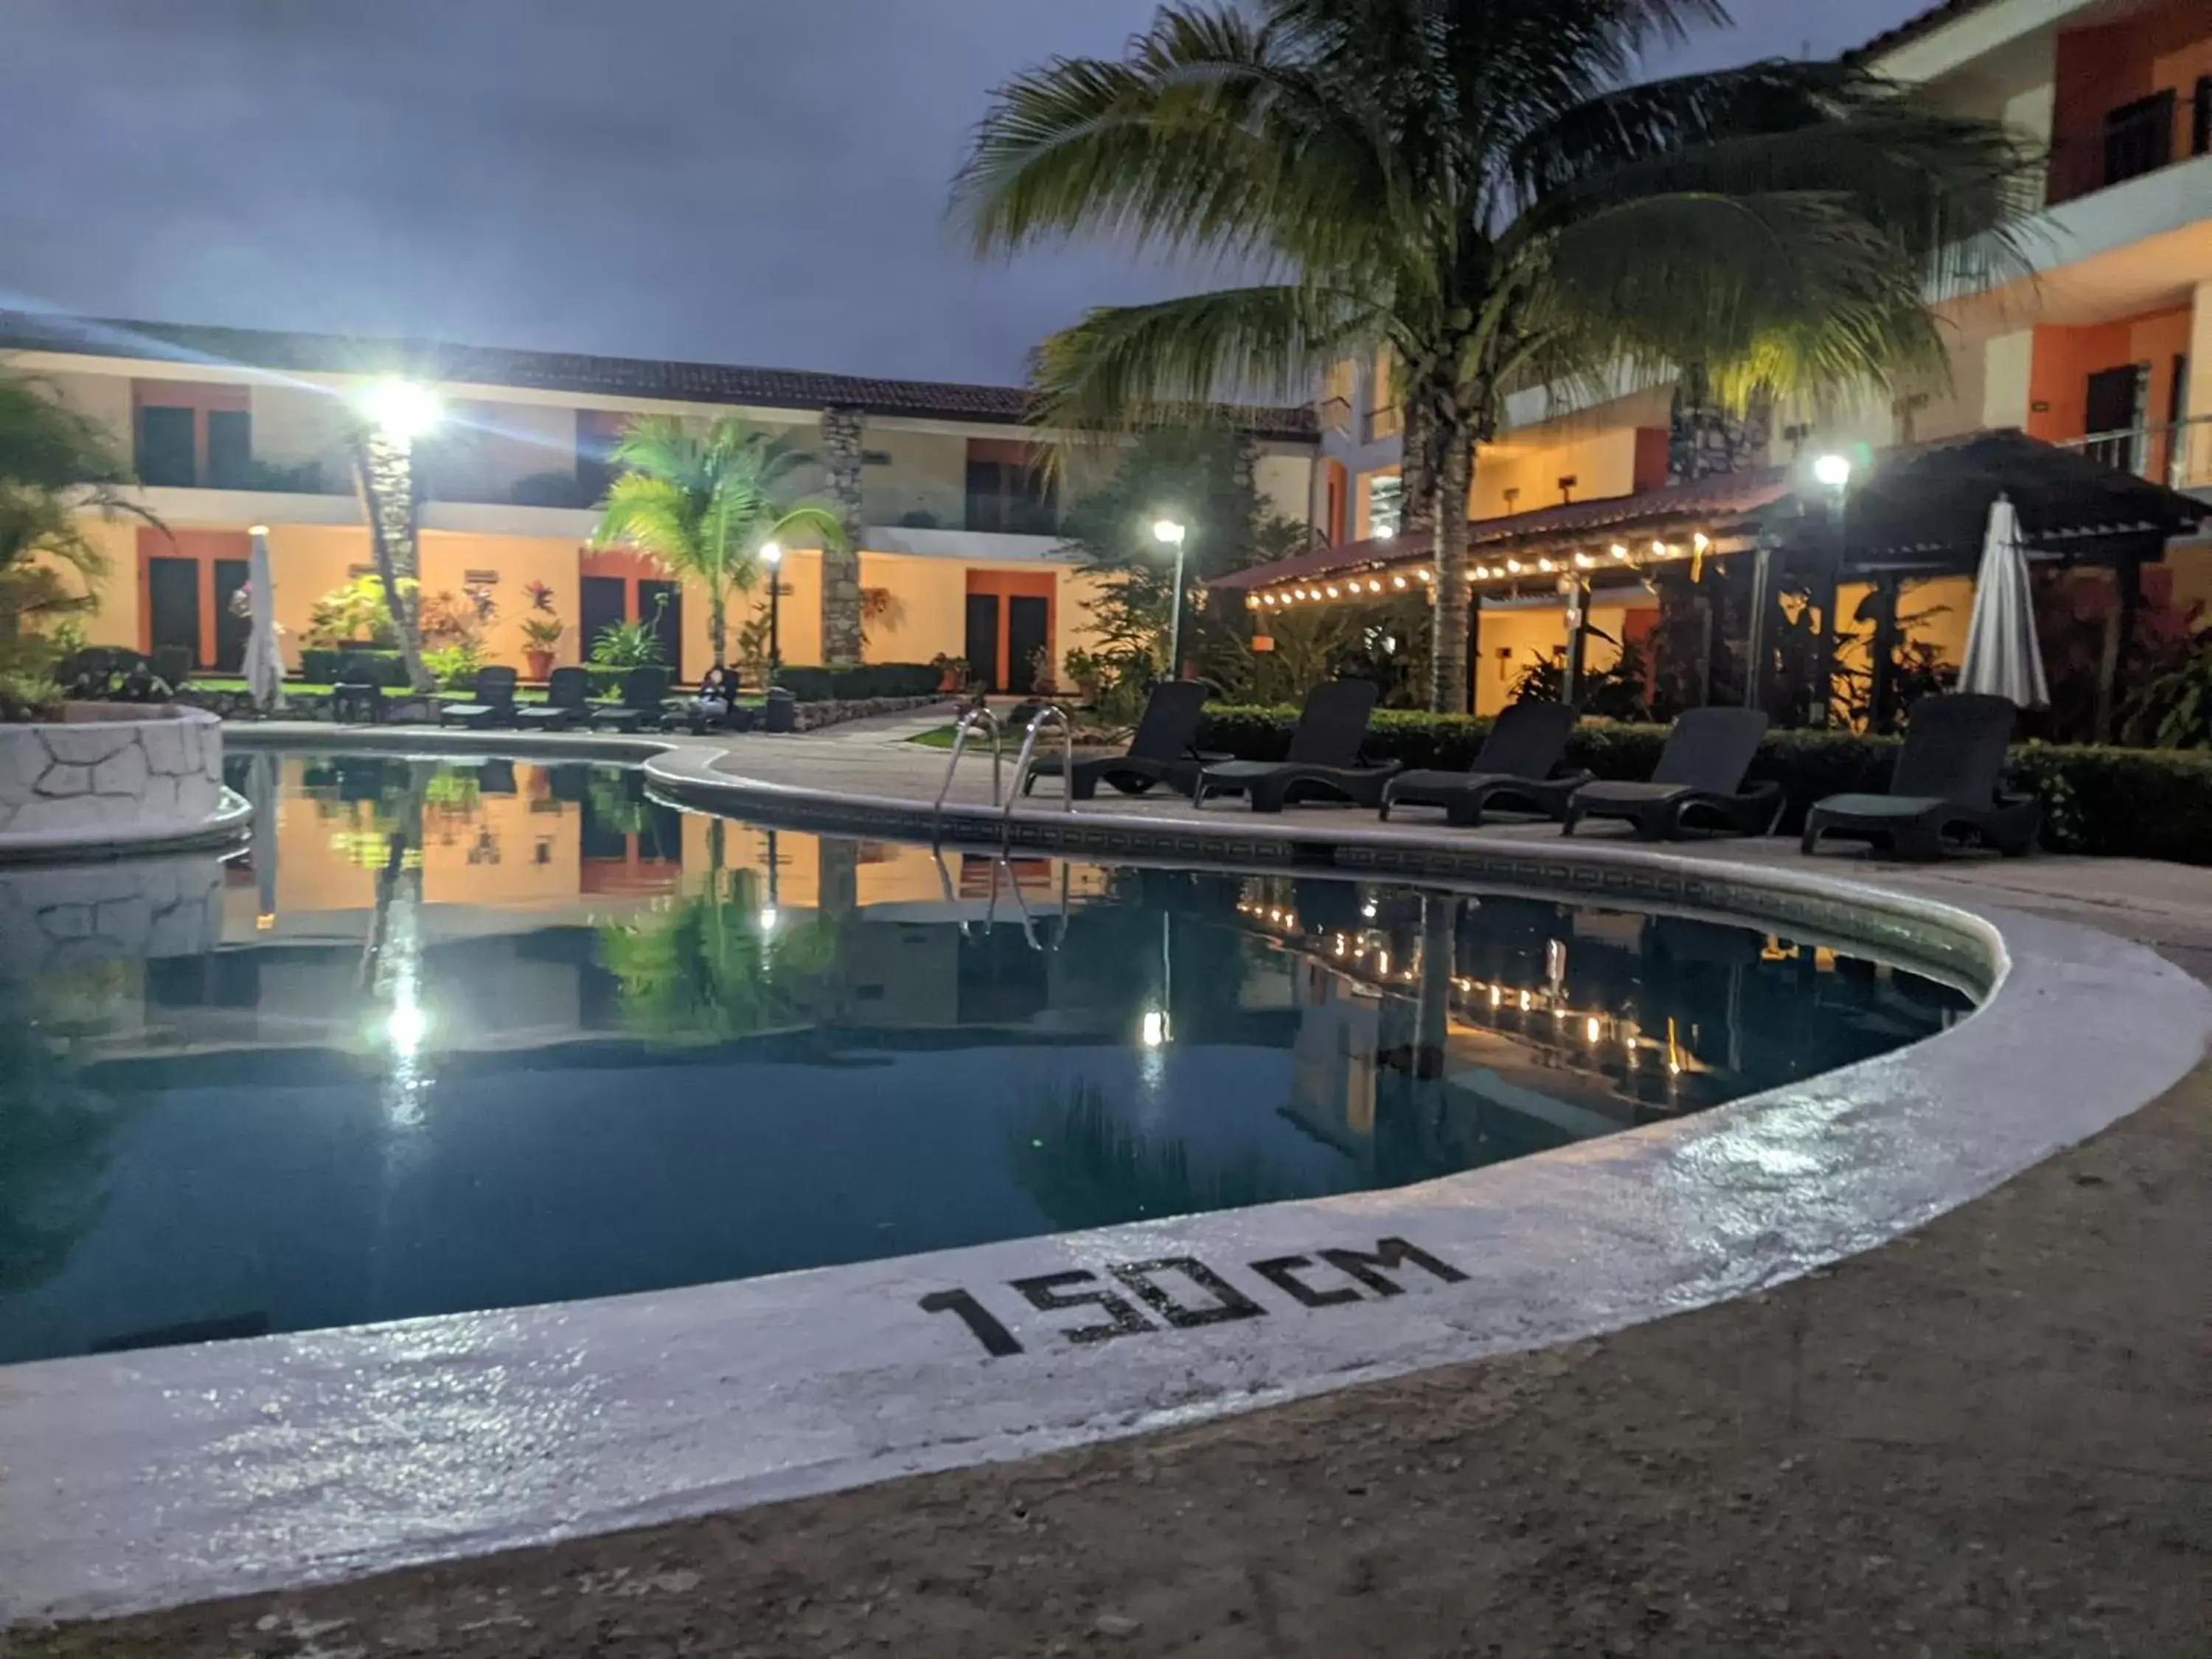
(937, 737)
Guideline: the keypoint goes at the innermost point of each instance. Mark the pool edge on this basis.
(650, 1408)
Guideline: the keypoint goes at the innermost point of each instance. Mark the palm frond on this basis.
(1177, 360)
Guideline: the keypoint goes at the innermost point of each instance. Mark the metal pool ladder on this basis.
(974, 720)
(982, 719)
(1053, 715)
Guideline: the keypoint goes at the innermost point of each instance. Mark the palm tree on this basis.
(1477, 188)
(704, 503)
(56, 464)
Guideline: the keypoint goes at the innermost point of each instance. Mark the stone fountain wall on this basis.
(106, 767)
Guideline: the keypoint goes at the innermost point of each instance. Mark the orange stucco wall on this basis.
(2066, 358)
(2105, 65)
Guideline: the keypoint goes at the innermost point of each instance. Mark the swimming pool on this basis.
(478, 1034)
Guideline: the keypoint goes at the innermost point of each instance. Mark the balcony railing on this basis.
(2179, 455)
(2170, 127)
(1385, 421)
(1334, 414)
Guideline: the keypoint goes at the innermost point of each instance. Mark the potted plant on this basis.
(952, 672)
(541, 637)
(1085, 672)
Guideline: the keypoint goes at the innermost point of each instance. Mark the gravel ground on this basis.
(1990, 1439)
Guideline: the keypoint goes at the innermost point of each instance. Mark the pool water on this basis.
(463, 1036)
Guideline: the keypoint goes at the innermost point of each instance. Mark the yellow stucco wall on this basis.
(115, 620)
(518, 561)
(1511, 641)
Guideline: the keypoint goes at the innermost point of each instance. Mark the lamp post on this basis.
(772, 555)
(1832, 471)
(1170, 533)
(394, 414)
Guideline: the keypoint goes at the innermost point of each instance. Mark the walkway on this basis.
(1990, 1437)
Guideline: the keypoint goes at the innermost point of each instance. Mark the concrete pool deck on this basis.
(1556, 1463)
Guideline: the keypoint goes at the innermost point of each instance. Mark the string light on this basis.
(1583, 562)
(1546, 565)
(1397, 581)
(1619, 551)
(1513, 565)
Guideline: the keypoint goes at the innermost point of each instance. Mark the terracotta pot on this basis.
(539, 663)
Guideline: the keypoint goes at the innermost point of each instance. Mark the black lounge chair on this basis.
(1701, 772)
(1525, 747)
(492, 702)
(1324, 759)
(568, 703)
(1947, 781)
(643, 702)
(1159, 749)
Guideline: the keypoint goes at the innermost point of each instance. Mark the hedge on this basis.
(872, 679)
(2113, 803)
(319, 666)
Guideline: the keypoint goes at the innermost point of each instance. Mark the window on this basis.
(1008, 492)
(167, 445)
(597, 432)
(1385, 504)
(2139, 137)
(229, 449)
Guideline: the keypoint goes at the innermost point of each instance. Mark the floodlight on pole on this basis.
(1170, 533)
(1832, 470)
(401, 410)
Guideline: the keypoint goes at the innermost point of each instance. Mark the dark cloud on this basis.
(740, 180)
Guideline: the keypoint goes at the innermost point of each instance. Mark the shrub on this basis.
(871, 679)
(324, 666)
(454, 666)
(2111, 803)
(353, 613)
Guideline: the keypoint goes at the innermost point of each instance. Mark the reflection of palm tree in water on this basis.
(1085, 1166)
(709, 966)
(54, 1139)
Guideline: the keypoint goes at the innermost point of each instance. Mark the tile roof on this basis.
(1925, 22)
(1922, 503)
(550, 371)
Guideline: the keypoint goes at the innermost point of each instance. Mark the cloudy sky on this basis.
(758, 181)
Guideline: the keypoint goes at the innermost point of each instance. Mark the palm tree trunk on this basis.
(1454, 476)
(717, 623)
(384, 472)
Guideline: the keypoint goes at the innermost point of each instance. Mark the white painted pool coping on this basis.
(183, 1474)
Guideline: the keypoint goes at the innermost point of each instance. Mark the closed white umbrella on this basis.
(2002, 656)
(264, 658)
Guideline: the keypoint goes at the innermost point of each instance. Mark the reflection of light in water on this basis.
(408, 1026)
(769, 917)
(1155, 1032)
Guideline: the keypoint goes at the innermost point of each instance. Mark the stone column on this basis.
(842, 434)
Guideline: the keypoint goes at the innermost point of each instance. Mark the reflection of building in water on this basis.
(1558, 1023)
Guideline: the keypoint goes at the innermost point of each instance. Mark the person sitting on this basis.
(717, 694)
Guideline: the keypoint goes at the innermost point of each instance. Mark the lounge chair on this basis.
(1701, 773)
(491, 703)
(1159, 749)
(643, 702)
(1324, 759)
(1525, 747)
(568, 703)
(1947, 781)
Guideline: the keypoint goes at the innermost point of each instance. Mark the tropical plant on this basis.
(55, 465)
(542, 632)
(1474, 189)
(447, 619)
(754, 638)
(454, 666)
(628, 645)
(354, 613)
(1201, 478)
(702, 504)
